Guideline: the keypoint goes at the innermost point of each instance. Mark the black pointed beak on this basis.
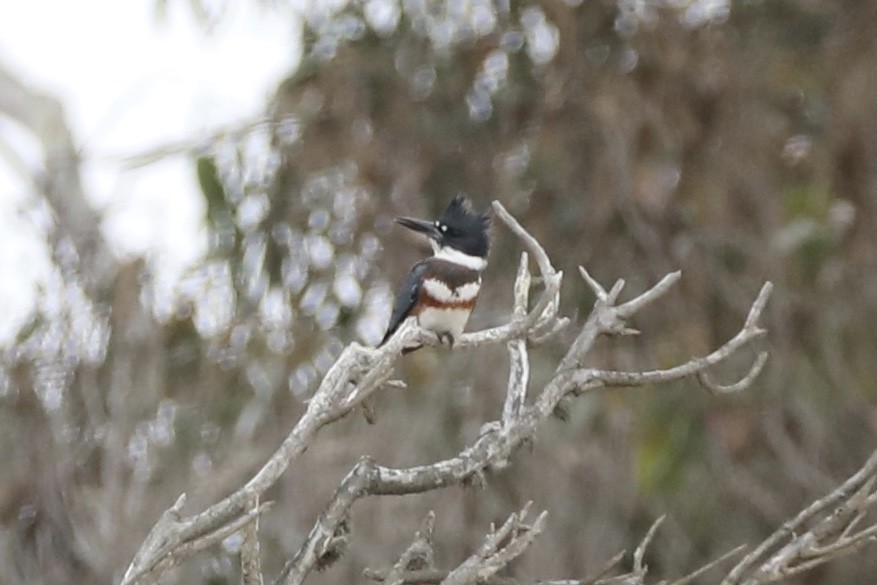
(427, 228)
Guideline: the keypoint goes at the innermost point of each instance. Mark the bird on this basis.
(441, 291)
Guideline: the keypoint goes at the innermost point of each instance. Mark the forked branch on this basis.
(360, 371)
(823, 531)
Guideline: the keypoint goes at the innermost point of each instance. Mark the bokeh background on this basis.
(732, 140)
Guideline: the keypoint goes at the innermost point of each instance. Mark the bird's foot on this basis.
(446, 337)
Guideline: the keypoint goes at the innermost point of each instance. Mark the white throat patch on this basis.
(458, 257)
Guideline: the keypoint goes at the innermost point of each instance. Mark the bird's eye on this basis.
(444, 228)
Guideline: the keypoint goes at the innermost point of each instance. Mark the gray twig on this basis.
(792, 548)
(500, 547)
(251, 563)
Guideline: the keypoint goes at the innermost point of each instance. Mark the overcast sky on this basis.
(131, 82)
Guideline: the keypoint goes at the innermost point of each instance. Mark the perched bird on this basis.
(441, 291)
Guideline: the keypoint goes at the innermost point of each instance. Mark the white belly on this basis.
(451, 321)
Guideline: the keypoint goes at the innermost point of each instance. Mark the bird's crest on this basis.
(460, 213)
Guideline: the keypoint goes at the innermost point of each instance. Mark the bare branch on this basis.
(500, 547)
(849, 501)
(640, 551)
(519, 362)
(595, 286)
(540, 336)
(164, 537)
(222, 532)
(709, 566)
(758, 306)
(418, 556)
(544, 313)
(144, 571)
(804, 551)
(633, 306)
(589, 379)
(742, 384)
(522, 287)
(531, 243)
(519, 378)
(251, 563)
(368, 478)
(427, 576)
(586, 377)
(605, 317)
(358, 373)
(638, 572)
(333, 399)
(607, 568)
(361, 371)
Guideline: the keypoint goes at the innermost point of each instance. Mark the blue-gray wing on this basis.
(405, 299)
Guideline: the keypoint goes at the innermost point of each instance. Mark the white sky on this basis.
(131, 83)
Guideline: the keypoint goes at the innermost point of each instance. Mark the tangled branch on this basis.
(362, 371)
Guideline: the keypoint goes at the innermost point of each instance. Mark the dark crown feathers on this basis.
(460, 213)
(469, 229)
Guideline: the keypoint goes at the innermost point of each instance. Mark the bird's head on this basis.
(458, 230)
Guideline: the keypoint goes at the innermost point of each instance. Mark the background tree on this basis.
(730, 141)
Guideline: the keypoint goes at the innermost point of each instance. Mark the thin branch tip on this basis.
(649, 296)
(758, 305)
(640, 552)
(592, 283)
(616, 290)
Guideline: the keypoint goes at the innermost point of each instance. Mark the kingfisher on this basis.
(441, 291)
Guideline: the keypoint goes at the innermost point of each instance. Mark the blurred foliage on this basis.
(733, 141)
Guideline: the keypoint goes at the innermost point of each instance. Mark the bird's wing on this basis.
(405, 299)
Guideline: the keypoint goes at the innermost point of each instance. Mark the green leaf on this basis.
(218, 208)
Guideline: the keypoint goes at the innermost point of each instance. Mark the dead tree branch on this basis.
(251, 561)
(832, 520)
(419, 556)
(637, 574)
(361, 371)
(357, 373)
(501, 546)
(519, 424)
